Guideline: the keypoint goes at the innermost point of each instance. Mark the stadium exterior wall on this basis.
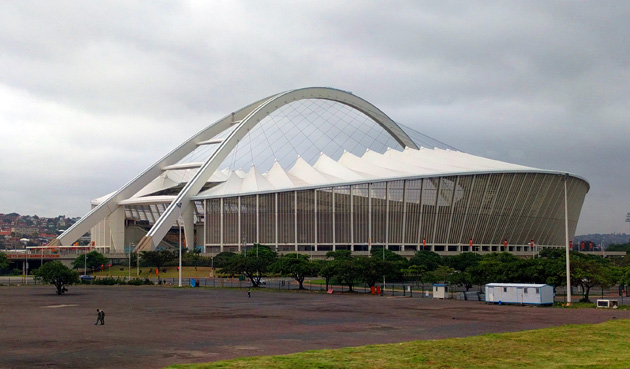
(443, 214)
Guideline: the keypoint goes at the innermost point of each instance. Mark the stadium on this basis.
(319, 169)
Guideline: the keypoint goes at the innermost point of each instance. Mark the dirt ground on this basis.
(153, 327)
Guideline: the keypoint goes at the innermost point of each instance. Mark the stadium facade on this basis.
(327, 170)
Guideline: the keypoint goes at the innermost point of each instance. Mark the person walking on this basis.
(102, 317)
(98, 316)
(249, 292)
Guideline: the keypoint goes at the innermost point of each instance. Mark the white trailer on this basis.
(519, 293)
(440, 291)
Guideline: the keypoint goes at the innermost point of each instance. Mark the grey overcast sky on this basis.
(92, 93)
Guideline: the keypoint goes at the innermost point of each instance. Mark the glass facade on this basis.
(443, 213)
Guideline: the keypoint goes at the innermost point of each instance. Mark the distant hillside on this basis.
(605, 239)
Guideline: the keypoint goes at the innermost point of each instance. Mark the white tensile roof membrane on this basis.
(312, 143)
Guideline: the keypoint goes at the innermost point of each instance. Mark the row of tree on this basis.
(465, 269)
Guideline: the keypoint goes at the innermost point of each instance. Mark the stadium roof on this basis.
(304, 138)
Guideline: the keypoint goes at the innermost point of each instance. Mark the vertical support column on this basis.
(205, 225)
(421, 215)
(221, 247)
(450, 219)
(351, 219)
(386, 245)
(276, 219)
(404, 219)
(295, 216)
(369, 217)
(116, 220)
(315, 212)
(189, 225)
(334, 246)
(437, 212)
(240, 234)
(566, 235)
(258, 219)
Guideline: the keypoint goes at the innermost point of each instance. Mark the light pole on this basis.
(179, 221)
(130, 247)
(383, 266)
(566, 234)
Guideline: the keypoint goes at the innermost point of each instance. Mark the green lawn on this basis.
(604, 345)
(171, 272)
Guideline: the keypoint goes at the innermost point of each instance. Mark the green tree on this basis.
(347, 271)
(297, 266)
(59, 275)
(371, 270)
(224, 258)
(444, 274)
(253, 265)
(339, 255)
(588, 273)
(158, 258)
(377, 252)
(94, 260)
(326, 270)
(417, 271)
(4, 261)
(429, 259)
(462, 261)
(619, 247)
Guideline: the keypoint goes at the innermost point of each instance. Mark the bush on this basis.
(139, 282)
(108, 281)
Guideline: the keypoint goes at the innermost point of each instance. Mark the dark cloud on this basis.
(93, 93)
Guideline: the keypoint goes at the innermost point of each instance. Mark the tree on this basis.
(462, 261)
(326, 270)
(94, 260)
(444, 274)
(589, 273)
(59, 275)
(224, 258)
(418, 271)
(339, 255)
(253, 265)
(297, 266)
(347, 271)
(429, 259)
(379, 252)
(4, 261)
(158, 258)
(370, 270)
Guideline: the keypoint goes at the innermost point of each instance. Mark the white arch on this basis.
(161, 227)
(246, 118)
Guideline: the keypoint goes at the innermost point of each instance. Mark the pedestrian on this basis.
(98, 316)
(102, 314)
(249, 292)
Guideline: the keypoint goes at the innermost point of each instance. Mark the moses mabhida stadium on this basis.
(319, 169)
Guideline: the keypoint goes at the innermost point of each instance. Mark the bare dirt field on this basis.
(152, 327)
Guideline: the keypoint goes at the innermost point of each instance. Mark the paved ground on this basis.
(152, 327)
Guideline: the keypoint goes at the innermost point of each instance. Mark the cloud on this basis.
(92, 93)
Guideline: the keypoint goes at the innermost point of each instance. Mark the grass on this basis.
(602, 345)
(171, 272)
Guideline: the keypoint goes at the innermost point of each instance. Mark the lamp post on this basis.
(383, 266)
(130, 247)
(566, 234)
(179, 205)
